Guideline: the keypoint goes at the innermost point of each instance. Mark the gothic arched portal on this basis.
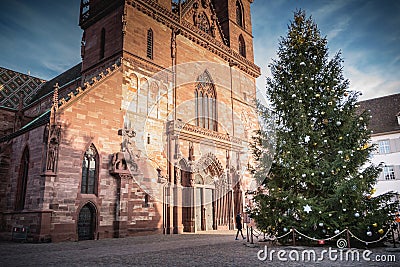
(207, 199)
(86, 222)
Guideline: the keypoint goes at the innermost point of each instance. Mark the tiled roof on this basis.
(64, 78)
(43, 89)
(384, 111)
(14, 85)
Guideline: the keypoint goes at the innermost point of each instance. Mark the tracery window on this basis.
(22, 181)
(150, 43)
(203, 23)
(239, 13)
(90, 171)
(205, 102)
(242, 46)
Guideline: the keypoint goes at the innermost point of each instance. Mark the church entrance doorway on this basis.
(204, 208)
(86, 222)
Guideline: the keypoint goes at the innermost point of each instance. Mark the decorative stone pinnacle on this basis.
(55, 96)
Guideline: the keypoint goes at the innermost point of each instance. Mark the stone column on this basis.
(121, 216)
(177, 191)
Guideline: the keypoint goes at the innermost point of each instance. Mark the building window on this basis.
(150, 43)
(205, 102)
(146, 201)
(22, 181)
(242, 46)
(90, 171)
(384, 147)
(239, 13)
(388, 173)
(102, 43)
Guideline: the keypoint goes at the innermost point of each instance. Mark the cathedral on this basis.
(150, 133)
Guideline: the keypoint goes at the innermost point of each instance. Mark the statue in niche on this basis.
(52, 150)
(212, 28)
(191, 152)
(177, 175)
(195, 13)
(51, 157)
(195, 18)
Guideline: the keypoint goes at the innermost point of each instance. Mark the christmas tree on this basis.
(321, 180)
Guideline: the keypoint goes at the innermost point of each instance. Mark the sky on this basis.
(42, 37)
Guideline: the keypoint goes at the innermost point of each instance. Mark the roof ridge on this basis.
(23, 74)
(380, 97)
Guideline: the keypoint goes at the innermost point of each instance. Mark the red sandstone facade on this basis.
(150, 133)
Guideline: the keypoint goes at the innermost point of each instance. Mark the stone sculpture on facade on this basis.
(52, 148)
(125, 159)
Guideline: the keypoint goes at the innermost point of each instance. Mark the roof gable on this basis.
(201, 14)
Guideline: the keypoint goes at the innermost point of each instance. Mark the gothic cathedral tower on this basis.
(111, 28)
(235, 19)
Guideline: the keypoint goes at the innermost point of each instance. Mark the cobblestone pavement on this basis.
(216, 249)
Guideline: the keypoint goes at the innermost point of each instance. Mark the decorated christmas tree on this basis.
(321, 180)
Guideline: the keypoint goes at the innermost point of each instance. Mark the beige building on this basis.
(385, 124)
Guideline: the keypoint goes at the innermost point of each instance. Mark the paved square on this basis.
(210, 249)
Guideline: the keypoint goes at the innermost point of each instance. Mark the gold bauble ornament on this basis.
(380, 231)
(375, 225)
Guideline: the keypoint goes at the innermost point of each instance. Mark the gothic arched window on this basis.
(150, 43)
(203, 23)
(90, 166)
(242, 46)
(205, 101)
(239, 13)
(22, 181)
(102, 43)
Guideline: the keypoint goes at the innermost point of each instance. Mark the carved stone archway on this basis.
(207, 198)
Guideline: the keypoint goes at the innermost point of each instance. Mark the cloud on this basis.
(339, 28)
(371, 84)
(329, 9)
